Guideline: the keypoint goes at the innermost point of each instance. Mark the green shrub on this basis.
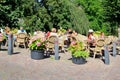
(78, 50)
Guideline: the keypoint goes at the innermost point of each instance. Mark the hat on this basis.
(90, 30)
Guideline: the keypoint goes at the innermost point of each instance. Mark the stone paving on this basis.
(20, 66)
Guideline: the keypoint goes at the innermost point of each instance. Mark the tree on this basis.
(44, 15)
(66, 14)
(112, 13)
(78, 18)
(94, 11)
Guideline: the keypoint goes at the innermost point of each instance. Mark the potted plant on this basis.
(37, 47)
(79, 54)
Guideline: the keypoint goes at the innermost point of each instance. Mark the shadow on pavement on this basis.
(16, 53)
(3, 49)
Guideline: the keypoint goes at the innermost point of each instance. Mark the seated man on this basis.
(21, 30)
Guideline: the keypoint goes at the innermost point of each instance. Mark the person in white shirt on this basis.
(91, 39)
(35, 32)
(21, 30)
(1, 30)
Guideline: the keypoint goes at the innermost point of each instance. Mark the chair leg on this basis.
(17, 45)
(101, 54)
(94, 55)
(24, 45)
(6, 43)
(13, 43)
(63, 49)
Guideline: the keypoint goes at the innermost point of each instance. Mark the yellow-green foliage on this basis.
(78, 50)
(61, 30)
(97, 33)
(14, 30)
(4, 37)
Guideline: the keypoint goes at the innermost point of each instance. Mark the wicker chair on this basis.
(51, 42)
(108, 42)
(61, 43)
(21, 39)
(99, 47)
(86, 45)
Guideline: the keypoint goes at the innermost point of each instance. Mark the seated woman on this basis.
(1, 36)
(102, 36)
(91, 39)
(73, 41)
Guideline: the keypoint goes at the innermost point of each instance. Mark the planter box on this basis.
(78, 60)
(37, 54)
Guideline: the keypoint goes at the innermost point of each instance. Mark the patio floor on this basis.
(20, 66)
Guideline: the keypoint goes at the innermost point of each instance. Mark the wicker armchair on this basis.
(61, 43)
(21, 39)
(50, 44)
(99, 47)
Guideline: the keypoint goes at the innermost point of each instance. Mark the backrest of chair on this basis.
(85, 43)
(100, 43)
(108, 41)
(22, 35)
(51, 41)
(62, 40)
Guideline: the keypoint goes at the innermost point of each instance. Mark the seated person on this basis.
(73, 41)
(1, 36)
(53, 32)
(74, 33)
(68, 39)
(21, 30)
(67, 32)
(36, 32)
(6, 31)
(40, 34)
(91, 39)
(102, 36)
(1, 30)
(47, 34)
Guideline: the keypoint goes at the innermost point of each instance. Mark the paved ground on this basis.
(20, 66)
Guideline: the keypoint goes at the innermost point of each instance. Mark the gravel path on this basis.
(20, 66)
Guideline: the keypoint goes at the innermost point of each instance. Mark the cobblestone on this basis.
(20, 66)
